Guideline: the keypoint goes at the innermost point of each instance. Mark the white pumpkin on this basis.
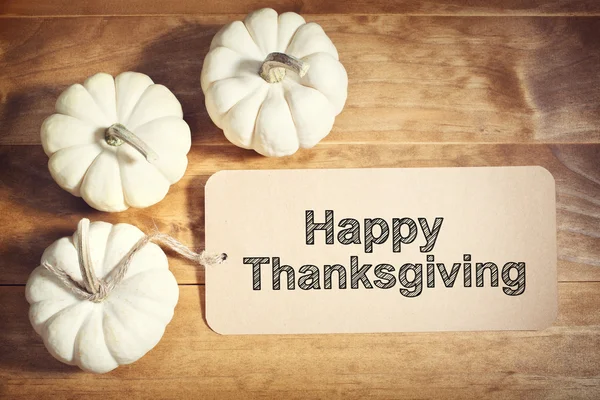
(273, 83)
(118, 143)
(100, 336)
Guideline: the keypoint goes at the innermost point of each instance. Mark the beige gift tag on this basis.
(381, 250)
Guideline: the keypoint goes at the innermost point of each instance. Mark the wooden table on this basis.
(431, 83)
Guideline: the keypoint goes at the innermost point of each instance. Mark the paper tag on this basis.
(381, 250)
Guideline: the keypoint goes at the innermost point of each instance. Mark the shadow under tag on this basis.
(381, 250)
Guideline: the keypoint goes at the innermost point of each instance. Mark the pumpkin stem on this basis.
(274, 67)
(96, 290)
(90, 281)
(117, 134)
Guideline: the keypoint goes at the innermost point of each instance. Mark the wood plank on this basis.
(191, 361)
(34, 211)
(437, 7)
(411, 79)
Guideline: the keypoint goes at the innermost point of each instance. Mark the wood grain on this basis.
(428, 7)
(411, 79)
(41, 212)
(191, 361)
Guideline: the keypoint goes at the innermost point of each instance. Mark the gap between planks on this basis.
(241, 15)
(325, 142)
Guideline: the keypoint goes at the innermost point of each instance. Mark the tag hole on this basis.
(223, 256)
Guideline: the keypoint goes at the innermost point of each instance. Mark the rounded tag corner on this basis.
(546, 174)
(215, 178)
(212, 325)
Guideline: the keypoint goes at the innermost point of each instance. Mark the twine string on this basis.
(95, 289)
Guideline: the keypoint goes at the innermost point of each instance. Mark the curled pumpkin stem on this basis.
(90, 281)
(96, 290)
(274, 68)
(117, 134)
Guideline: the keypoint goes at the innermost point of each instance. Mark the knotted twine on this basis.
(95, 289)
